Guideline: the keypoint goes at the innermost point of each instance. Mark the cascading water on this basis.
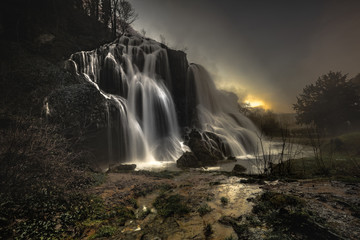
(219, 114)
(133, 75)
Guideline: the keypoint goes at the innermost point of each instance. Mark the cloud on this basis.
(268, 49)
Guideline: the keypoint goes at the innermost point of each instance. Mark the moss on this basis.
(224, 201)
(204, 209)
(170, 205)
(104, 231)
(208, 230)
(285, 215)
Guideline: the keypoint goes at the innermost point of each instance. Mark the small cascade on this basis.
(133, 75)
(219, 114)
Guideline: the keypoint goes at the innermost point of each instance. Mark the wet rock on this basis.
(188, 160)
(122, 167)
(239, 168)
(252, 181)
(203, 150)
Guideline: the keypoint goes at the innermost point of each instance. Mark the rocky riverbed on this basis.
(212, 205)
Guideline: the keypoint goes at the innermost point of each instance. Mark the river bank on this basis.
(210, 205)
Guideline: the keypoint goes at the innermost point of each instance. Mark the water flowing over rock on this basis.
(219, 115)
(133, 75)
(150, 92)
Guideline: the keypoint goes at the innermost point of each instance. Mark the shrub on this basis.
(204, 209)
(224, 201)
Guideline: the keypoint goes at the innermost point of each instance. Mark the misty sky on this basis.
(268, 50)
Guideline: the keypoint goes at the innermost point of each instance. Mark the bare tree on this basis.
(163, 39)
(114, 6)
(106, 12)
(127, 15)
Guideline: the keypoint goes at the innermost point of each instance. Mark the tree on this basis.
(114, 6)
(127, 15)
(106, 12)
(332, 103)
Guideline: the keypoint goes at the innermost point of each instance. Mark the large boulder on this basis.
(188, 160)
(203, 149)
(239, 168)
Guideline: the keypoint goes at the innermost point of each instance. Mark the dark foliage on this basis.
(332, 103)
(265, 120)
(40, 180)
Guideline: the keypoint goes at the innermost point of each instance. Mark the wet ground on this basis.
(338, 203)
(223, 197)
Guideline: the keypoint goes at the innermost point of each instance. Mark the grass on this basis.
(339, 167)
(339, 160)
(204, 209)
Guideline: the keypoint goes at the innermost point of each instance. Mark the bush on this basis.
(224, 201)
(39, 181)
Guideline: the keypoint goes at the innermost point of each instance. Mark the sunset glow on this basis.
(254, 102)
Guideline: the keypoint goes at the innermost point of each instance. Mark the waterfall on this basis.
(219, 113)
(133, 75)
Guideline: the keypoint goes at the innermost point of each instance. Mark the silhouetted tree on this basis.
(114, 6)
(93, 8)
(332, 103)
(106, 12)
(127, 15)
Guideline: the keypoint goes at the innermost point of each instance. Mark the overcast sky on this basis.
(268, 50)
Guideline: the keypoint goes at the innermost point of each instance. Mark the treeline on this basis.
(19, 17)
(331, 105)
(117, 14)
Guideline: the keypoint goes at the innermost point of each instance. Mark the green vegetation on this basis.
(208, 230)
(336, 158)
(204, 209)
(332, 103)
(224, 201)
(285, 215)
(170, 205)
(104, 231)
